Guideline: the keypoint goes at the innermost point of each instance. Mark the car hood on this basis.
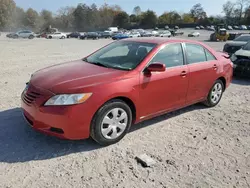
(236, 43)
(73, 76)
(242, 52)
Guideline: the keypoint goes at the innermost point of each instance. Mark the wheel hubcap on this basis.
(114, 123)
(216, 93)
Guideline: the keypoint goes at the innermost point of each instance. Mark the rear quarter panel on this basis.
(226, 68)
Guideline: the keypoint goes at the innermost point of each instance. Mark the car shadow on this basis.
(20, 143)
(166, 116)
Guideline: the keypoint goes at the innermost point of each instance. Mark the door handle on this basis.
(183, 73)
(215, 67)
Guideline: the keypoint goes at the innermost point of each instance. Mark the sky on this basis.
(212, 7)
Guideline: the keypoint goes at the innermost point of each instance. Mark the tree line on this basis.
(85, 17)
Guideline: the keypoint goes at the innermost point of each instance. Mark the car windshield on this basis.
(247, 46)
(123, 55)
(243, 38)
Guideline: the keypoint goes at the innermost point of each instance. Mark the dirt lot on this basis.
(193, 147)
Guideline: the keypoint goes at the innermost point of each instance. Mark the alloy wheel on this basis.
(216, 93)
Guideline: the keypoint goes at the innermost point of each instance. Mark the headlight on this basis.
(233, 58)
(67, 99)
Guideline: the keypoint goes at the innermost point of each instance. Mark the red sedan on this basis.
(121, 84)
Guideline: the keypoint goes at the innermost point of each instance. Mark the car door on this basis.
(21, 34)
(203, 68)
(162, 91)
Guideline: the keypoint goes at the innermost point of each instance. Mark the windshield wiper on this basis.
(96, 63)
(99, 64)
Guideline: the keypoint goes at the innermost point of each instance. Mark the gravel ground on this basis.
(192, 147)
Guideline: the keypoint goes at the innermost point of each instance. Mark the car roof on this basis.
(157, 40)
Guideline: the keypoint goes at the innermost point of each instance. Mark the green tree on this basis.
(121, 20)
(7, 8)
(241, 6)
(18, 19)
(107, 14)
(149, 19)
(65, 18)
(31, 18)
(169, 18)
(187, 18)
(46, 18)
(198, 12)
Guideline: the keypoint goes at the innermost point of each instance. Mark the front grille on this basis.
(30, 96)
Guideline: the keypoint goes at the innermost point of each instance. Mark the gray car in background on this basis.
(236, 44)
(22, 34)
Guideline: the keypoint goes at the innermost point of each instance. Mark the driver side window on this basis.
(171, 55)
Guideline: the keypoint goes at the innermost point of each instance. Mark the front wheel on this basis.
(31, 37)
(215, 94)
(111, 122)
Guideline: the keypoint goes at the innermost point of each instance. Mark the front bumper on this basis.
(66, 122)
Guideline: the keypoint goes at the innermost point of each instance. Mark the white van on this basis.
(113, 29)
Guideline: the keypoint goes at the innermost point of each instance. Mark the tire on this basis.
(98, 128)
(63, 37)
(210, 101)
(50, 37)
(31, 37)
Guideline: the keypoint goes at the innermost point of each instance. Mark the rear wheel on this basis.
(215, 94)
(111, 122)
(50, 37)
(63, 37)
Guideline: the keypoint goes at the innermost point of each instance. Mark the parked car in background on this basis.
(10, 35)
(42, 35)
(113, 29)
(134, 34)
(194, 34)
(22, 34)
(211, 28)
(241, 61)
(146, 34)
(121, 84)
(236, 27)
(105, 34)
(74, 35)
(229, 27)
(243, 27)
(154, 33)
(197, 28)
(57, 35)
(166, 27)
(120, 36)
(232, 46)
(176, 27)
(91, 35)
(176, 32)
(164, 34)
(202, 27)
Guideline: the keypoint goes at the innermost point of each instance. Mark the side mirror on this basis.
(156, 67)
